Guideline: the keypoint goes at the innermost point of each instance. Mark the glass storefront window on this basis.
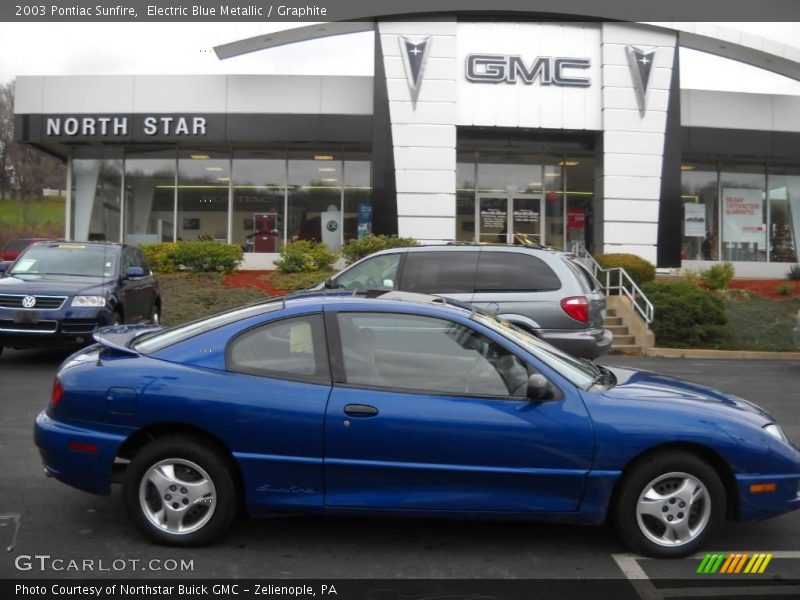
(744, 212)
(554, 169)
(699, 189)
(465, 197)
(259, 196)
(579, 175)
(203, 191)
(784, 206)
(149, 196)
(358, 203)
(97, 184)
(315, 197)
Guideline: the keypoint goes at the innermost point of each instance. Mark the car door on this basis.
(431, 414)
(449, 273)
(130, 288)
(147, 289)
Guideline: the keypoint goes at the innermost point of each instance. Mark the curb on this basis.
(732, 354)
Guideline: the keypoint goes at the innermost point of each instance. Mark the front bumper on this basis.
(65, 327)
(84, 469)
(762, 505)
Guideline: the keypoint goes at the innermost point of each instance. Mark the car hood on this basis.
(647, 386)
(54, 285)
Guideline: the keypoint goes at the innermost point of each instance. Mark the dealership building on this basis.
(571, 133)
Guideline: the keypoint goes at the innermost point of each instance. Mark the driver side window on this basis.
(416, 353)
(378, 273)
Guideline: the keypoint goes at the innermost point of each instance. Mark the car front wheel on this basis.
(180, 491)
(669, 505)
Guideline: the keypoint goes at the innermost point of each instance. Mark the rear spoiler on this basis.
(119, 337)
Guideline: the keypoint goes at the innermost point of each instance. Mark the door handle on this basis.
(360, 410)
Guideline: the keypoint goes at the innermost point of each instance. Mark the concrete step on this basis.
(617, 329)
(611, 312)
(623, 340)
(629, 349)
(611, 321)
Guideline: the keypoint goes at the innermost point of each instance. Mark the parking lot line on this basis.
(630, 566)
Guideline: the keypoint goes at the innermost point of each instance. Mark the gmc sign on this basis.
(548, 70)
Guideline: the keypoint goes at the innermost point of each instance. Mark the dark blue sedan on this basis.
(59, 293)
(403, 405)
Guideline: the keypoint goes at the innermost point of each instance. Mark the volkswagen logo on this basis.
(28, 302)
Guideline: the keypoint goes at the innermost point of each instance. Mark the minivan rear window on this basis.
(514, 272)
(439, 272)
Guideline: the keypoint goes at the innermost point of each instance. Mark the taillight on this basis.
(576, 307)
(58, 392)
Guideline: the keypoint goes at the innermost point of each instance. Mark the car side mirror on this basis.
(539, 388)
(4, 265)
(329, 283)
(134, 272)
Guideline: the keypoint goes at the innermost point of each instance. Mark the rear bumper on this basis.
(589, 343)
(85, 469)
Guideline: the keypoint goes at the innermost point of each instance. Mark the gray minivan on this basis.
(544, 292)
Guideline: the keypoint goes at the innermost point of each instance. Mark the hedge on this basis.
(686, 316)
(304, 256)
(358, 248)
(640, 270)
(193, 256)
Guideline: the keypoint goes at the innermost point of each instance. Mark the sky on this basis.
(186, 48)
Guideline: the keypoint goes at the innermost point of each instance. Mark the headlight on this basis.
(775, 430)
(84, 301)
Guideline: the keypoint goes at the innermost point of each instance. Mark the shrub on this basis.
(686, 316)
(358, 248)
(793, 274)
(295, 282)
(717, 277)
(304, 256)
(640, 270)
(784, 289)
(193, 256)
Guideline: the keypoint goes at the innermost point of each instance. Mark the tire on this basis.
(155, 315)
(650, 511)
(198, 479)
(1, 350)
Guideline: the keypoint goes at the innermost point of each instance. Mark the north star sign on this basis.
(85, 126)
(510, 68)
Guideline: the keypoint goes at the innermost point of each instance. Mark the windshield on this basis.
(581, 373)
(79, 260)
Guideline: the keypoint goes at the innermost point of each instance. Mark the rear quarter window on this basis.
(514, 272)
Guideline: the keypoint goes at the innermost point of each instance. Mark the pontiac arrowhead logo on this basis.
(415, 54)
(640, 61)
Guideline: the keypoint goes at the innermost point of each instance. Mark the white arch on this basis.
(730, 43)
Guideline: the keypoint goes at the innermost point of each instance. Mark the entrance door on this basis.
(504, 218)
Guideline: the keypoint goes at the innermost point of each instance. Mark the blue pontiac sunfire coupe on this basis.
(404, 405)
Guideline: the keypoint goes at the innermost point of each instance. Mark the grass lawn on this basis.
(759, 323)
(40, 211)
(187, 296)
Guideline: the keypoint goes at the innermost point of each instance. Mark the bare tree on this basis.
(6, 134)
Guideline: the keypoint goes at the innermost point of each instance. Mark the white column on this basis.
(633, 144)
(85, 173)
(424, 136)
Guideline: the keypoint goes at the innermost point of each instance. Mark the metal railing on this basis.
(616, 281)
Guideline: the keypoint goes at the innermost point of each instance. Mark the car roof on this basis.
(472, 247)
(374, 298)
(52, 243)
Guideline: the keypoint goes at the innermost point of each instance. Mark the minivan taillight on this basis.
(576, 307)
(58, 392)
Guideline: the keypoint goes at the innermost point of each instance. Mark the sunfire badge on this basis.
(640, 61)
(415, 55)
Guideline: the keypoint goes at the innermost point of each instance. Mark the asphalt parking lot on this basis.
(65, 523)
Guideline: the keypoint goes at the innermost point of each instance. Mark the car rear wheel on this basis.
(669, 505)
(180, 491)
(155, 315)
